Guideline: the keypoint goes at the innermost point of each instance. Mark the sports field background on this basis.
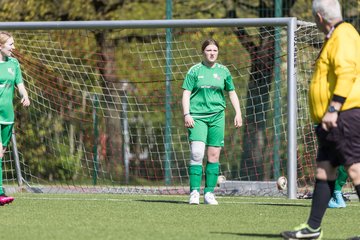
(122, 216)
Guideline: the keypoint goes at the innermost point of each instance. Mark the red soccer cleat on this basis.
(5, 199)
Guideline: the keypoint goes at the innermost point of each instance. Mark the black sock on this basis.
(357, 188)
(321, 197)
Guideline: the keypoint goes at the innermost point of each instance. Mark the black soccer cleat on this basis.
(303, 232)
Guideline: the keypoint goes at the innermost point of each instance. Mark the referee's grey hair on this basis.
(328, 9)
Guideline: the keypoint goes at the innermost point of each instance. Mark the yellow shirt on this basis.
(337, 71)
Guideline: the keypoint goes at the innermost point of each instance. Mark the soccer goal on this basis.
(106, 116)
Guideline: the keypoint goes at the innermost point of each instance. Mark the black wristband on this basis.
(186, 114)
(337, 98)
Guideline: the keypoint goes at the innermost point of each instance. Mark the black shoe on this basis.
(302, 232)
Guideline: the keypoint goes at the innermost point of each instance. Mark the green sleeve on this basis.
(229, 84)
(189, 81)
(18, 76)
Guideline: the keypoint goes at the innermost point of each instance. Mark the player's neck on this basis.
(209, 64)
(3, 58)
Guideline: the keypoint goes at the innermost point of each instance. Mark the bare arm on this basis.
(236, 104)
(24, 95)
(189, 121)
(2, 150)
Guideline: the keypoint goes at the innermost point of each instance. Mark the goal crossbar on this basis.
(122, 24)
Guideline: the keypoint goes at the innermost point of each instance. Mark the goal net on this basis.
(106, 115)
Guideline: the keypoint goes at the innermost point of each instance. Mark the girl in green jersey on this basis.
(203, 103)
(10, 77)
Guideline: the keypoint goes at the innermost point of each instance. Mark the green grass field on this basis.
(85, 216)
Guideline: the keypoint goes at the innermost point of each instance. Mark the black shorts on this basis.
(341, 145)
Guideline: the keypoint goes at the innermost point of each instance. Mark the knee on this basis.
(197, 153)
(196, 158)
(213, 154)
(354, 173)
(326, 173)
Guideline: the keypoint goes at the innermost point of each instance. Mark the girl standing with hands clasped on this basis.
(204, 103)
(10, 76)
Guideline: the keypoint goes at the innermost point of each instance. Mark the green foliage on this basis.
(44, 159)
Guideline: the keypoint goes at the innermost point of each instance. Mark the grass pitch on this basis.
(87, 216)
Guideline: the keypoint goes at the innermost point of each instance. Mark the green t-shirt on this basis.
(207, 87)
(10, 75)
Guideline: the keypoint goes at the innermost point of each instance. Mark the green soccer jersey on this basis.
(10, 75)
(207, 87)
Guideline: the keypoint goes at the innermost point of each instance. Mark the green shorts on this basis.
(5, 136)
(209, 129)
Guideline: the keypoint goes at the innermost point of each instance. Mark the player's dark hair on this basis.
(208, 42)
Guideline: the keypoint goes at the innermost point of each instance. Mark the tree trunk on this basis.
(112, 90)
(253, 157)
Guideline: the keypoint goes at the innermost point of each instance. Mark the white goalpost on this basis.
(106, 106)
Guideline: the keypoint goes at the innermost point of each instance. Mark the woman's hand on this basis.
(238, 120)
(189, 121)
(25, 101)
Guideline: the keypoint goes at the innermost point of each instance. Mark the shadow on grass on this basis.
(162, 201)
(284, 204)
(264, 235)
(186, 202)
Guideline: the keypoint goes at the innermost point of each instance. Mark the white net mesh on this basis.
(99, 118)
